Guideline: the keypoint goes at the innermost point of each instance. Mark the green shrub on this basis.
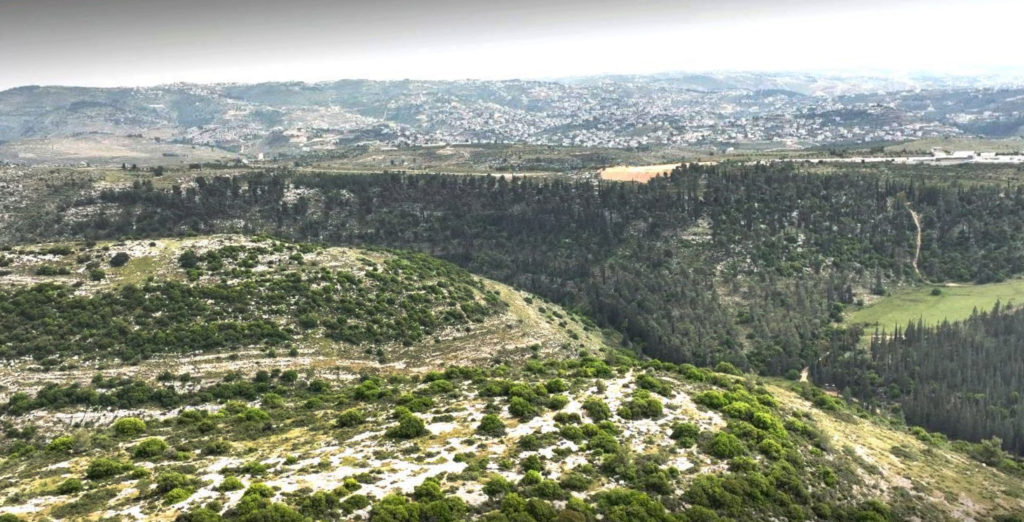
(521, 408)
(491, 425)
(272, 401)
(409, 427)
(603, 442)
(354, 503)
(770, 448)
(532, 463)
(725, 446)
(62, 444)
(177, 495)
(395, 508)
(168, 481)
(556, 386)
(101, 468)
(69, 487)
(596, 409)
(217, 447)
(351, 418)
(725, 367)
(119, 259)
(230, 484)
(497, 486)
(557, 402)
(684, 430)
(440, 386)
(129, 426)
(641, 406)
(149, 448)
(713, 399)
(650, 383)
(188, 259)
(576, 481)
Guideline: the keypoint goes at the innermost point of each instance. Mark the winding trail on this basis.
(917, 251)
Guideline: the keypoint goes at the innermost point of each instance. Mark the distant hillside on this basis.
(289, 118)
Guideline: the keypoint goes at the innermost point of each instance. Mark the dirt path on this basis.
(917, 250)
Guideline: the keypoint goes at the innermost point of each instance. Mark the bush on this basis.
(119, 259)
(272, 401)
(168, 481)
(596, 409)
(409, 427)
(230, 484)
(641, 406)
(440, 386)
(576, 481)
(770, 448)
(97, 274)
(395, 508)
(655, 385)
(350, 418)
(428, 490)
(354, 503)
(149, 448)
(129, 426)
(62, 444)
(726, 446)
(521, 408)
(188, 259)
(102, 468)
(603, 442)
(557, 402)
(497, 486)
(556, 386)
(491, 425)
(685, 433)
(69, 487)
(217, 447)
(177, 495)
(725, 367)
(714, 399)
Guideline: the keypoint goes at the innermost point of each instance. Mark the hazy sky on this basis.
(143, 42)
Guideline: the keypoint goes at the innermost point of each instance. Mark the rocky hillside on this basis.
(247, 303)
(237, 378)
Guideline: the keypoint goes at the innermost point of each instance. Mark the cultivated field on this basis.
(641, 174)
(954, 303)
(925, 146)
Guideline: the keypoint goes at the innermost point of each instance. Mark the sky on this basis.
(148, 42)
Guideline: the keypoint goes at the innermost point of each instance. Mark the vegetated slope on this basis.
(788, 250)
(68, 304)
(750, 264)
(547, 439)
(961, 378)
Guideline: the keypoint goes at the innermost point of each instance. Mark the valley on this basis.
(294, 326)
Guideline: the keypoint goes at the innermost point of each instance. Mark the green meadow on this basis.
(954, 303)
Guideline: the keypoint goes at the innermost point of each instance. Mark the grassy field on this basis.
(924, 146)
(955, 302)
